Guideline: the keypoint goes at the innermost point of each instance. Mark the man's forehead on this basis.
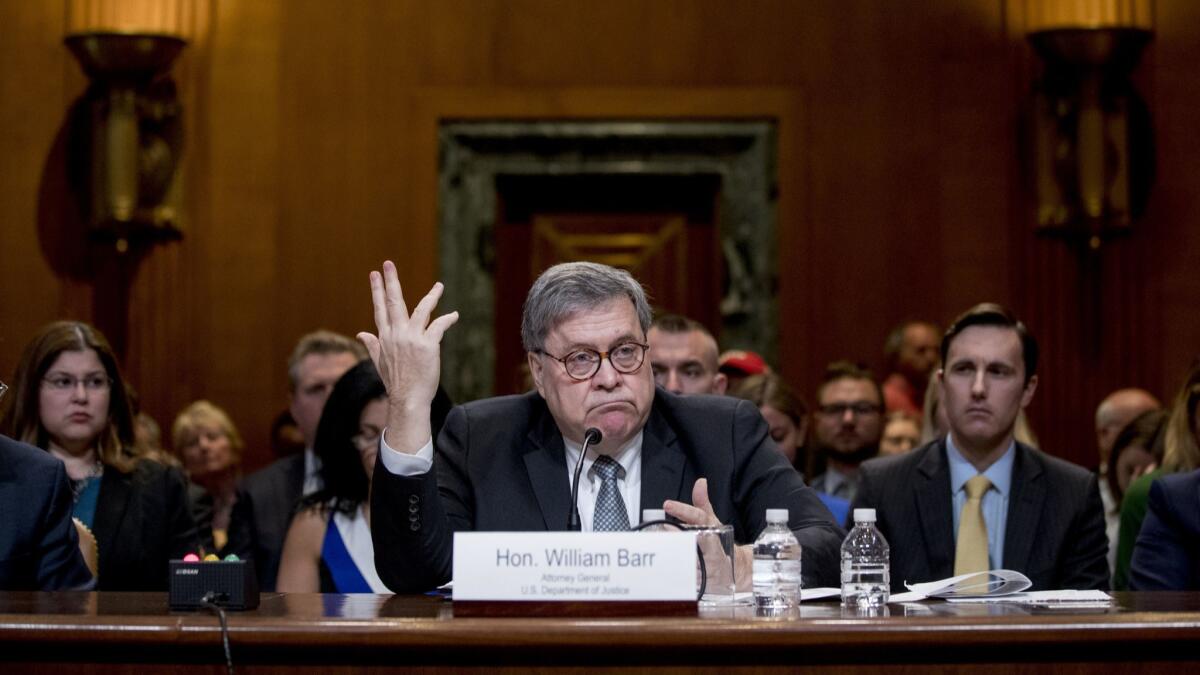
(696, 344)
(848, 389)
(920, 335)
(321, 365)
(986, 343)
(598, 326)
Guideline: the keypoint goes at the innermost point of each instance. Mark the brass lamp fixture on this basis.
(1091, 150)
(129, 136)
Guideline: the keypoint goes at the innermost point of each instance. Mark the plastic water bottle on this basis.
(776, 565)
(866, 581)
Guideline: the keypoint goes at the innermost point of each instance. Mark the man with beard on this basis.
(848, 425)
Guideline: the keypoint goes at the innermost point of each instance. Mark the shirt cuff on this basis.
(403, 464)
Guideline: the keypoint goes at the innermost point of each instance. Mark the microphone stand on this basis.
(590, 436)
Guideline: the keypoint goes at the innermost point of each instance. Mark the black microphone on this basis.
(590, 436)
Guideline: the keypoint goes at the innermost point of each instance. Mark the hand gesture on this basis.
(700, 512)
(407, 354)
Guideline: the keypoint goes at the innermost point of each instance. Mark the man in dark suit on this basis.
(1167, 554)
(267, 498)
(976, 499)
(39, 548)
(505, 463)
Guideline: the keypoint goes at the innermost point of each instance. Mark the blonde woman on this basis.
(210, 447)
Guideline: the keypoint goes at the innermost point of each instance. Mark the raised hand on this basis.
(407, 353)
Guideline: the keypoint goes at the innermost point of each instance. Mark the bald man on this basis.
(1117, 410)
(683, 355)
(1112, 415)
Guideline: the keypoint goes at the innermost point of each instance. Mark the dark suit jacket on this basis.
(500, 465)
(143, 520)
(1054, 532)
(1167, 554)
(39, 548)
(266, 500)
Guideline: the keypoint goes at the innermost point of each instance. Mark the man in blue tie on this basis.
(504, 464)
(977, 499)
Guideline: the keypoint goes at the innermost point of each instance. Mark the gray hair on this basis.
(568, 288)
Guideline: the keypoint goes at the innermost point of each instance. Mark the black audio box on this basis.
(232, 584)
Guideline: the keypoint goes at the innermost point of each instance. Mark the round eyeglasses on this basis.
(582, 364)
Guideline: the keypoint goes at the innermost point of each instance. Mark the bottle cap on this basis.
(777, 516)
(864, 515)
(653, 514)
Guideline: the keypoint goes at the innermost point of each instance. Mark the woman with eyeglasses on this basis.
(328, 547)
(69, 399)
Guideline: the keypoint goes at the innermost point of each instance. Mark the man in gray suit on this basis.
(504, 464)
(976, 499)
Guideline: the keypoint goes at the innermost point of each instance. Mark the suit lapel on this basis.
(1025, 501)
(934, 510)
(662, 466)
(546, 465)
(111, 507)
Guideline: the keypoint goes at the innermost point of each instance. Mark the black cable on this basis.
(699, 553)
(209, 601)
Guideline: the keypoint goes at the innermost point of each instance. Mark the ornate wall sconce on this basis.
(1092, 150)
(126, 130)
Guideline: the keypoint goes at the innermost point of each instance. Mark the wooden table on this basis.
(124, 632)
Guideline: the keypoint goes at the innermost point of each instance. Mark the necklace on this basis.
(78, 486)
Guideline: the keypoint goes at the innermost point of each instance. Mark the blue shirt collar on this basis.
(961, 469)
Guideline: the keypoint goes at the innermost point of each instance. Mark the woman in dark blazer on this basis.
(69, 399)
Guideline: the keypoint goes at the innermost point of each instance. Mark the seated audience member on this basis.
(328, 547)
(1137, 450)
(683, 356)
(912, 355)
(738, 364)
(1113, 414)
(901, 433)
(40, 547)
(503, 464)
(1167, 554)
(70, 401)
(977, 499)
(847, 428)
(1181, 454)
(784, 411)
(211, 450)
(266, 499)
(787, 418)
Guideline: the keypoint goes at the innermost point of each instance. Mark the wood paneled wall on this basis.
(311, 158)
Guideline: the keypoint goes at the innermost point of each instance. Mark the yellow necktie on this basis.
(971, 555)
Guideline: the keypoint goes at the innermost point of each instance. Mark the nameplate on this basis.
(575, 566)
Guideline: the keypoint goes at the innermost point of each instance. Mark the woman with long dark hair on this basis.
(328, 546)
(70, 400)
